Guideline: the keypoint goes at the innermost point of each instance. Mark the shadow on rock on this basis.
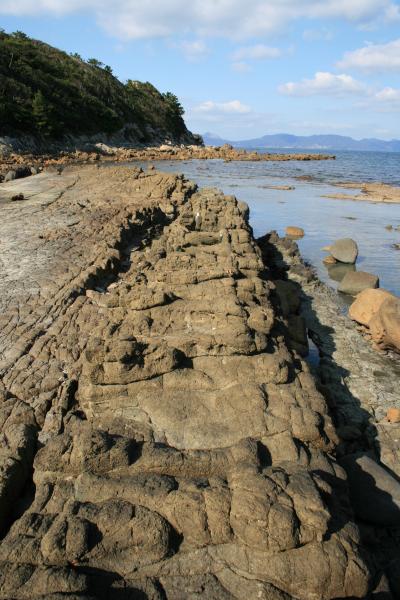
(374, 489)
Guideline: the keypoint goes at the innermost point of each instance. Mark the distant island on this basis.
(310, 142)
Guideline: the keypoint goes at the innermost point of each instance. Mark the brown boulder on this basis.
(385, 325)
(296, 232)
(367, 304)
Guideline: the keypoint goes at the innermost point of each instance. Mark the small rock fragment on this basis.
(393, 415)
(296, 232)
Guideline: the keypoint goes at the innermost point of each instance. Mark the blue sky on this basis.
(242, 69)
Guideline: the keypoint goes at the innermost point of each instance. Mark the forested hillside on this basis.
(48, 93)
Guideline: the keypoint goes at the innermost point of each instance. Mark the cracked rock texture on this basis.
(160, 436)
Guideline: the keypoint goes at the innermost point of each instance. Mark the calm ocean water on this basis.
(324, 220)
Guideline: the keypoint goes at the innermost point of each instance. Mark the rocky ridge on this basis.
(162, 437)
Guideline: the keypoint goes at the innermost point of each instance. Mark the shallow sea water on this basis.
(323, 219)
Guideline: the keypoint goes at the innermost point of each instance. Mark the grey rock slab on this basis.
(355, 282)
(344, 250)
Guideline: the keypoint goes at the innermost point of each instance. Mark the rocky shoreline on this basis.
(163, 435)
(97, 153)
(369, 192)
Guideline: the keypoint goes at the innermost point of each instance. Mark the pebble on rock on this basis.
(329, 260)
(393, 415)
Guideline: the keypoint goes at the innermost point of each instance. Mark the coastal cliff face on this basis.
(162, 436)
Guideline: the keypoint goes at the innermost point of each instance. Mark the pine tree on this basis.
(42, 114)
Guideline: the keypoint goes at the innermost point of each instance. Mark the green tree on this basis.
(42, 112)
(108, 69)
(20, 35)
(173, 104)
(94, 62)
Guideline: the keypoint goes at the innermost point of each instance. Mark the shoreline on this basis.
(98, 153)
(28, 164)
(369, 192)
(159, 377)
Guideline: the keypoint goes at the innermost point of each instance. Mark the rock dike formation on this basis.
(161, 438)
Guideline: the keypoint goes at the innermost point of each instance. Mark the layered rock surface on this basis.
(160, 436)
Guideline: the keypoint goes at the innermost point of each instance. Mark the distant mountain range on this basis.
(311, 142)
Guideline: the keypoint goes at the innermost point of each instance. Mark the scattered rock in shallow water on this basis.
(385, 324)
(355, 282)
(375, 494)
(329, 260)
(295, 232)
(367, 304)
(280, 187)
(393, 415)
(344, 250)
(339, 270)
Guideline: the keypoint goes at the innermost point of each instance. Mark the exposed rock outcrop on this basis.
(163, 437)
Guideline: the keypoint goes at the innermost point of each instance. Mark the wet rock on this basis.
(329, 260)
(344, 250)
(295, 232)
(367, 304)
(355, 282)
(280, 187)
(374, 492)
(338, 271)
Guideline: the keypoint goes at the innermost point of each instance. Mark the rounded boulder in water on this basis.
(375, 494)
(345, 250)
(355, 282)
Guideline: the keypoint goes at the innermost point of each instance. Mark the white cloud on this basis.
(315, 35)
(194, 51)
(388, 94)
(241, 66)
(257, 52)
(324, 83)
(231, 107)
(374, 57)
(135, 19)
